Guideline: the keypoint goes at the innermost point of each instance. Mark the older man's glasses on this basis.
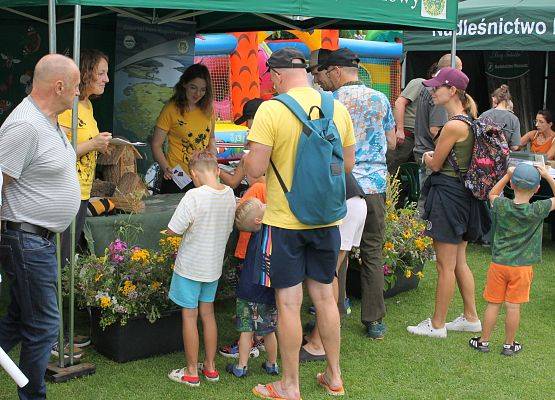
(270, 69)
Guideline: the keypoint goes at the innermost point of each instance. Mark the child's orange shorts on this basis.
(508, 283)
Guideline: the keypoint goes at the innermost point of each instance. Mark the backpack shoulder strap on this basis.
(464, 118)
(279, 178)
(327, 105)
(293, 106)
(301, 115)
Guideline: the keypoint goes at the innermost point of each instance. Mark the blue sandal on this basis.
(236, 370)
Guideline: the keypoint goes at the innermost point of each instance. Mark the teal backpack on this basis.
(317, 194)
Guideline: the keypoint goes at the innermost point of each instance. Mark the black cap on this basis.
(340, 58)
(284, 58)
(249, 109)
(317, 58)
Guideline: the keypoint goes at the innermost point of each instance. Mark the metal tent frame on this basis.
(287, 22)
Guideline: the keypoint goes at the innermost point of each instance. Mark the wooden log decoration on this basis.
(102, 188)
(117, 161)
(130, 182)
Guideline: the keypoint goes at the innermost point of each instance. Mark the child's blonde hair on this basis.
(244, 218)
(203, 161)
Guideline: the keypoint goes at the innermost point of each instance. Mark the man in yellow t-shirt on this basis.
(294, 252)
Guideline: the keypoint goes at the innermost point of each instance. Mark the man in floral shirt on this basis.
(374, 132)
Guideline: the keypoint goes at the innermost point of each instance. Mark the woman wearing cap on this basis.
(502, 115)
(542, 140)
(450, 209)
(187, 121)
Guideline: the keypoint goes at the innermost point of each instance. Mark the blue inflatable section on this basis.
(210, 45)
(363, 48)
(219, 44)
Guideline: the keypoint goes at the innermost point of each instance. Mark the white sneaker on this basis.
(178, 375)
(425, 328)
(461, 324)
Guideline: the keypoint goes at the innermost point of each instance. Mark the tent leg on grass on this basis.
(60, 372)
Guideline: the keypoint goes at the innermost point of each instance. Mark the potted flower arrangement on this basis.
(127, 292)
(406, 249)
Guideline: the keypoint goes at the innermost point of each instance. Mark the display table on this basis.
(100, 231)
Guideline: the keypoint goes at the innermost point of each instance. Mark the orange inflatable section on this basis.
(330, 39)
(244, 71)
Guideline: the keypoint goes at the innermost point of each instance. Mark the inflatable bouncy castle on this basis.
(237, 64)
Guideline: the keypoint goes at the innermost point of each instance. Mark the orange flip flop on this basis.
(337, 391)
(272, 393)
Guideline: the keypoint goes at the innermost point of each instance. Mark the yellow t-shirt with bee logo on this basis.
(187, 133)
(86, 130)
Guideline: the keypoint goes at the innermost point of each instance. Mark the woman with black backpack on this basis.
(450, 209)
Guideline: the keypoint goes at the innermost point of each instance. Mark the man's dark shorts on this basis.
(290, 256)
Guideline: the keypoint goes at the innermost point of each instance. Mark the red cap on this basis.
(448, 76)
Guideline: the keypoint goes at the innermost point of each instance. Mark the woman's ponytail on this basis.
(468, 104)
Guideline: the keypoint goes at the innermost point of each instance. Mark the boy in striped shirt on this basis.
(205, 219)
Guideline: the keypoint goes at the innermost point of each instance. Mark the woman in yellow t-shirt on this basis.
(94, 77)
(187, 120)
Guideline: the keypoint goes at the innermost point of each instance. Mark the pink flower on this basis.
(387, 270)
(117, 247)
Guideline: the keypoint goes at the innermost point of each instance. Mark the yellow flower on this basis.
(105, 302)
(408, 273)
(420, 244)
(407, 234)
(392, 217)
(389, 246)
(98, 276)
(420, 274)
(155, 285)
(140, 255)
(102, 259)
(388, 203)
(128, 288)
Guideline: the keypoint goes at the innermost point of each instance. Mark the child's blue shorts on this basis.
(187, 293)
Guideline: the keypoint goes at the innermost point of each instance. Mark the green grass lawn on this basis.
(400, 367)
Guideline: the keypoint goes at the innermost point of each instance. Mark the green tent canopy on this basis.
(241, 15)
(526, 25)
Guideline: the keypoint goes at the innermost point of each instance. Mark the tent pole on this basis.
(52, 26)
(454, 49)
(404, 71)
(546, 77)
(76, 54)
(52, 50)
(60, 372)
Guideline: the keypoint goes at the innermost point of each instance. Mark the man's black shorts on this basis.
(289, 256)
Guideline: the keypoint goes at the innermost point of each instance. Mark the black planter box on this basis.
(402, 284)
(138, 338)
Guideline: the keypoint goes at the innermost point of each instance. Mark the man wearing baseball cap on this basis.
(374, 127)
(317, 58)
(249, 109)
(295, 252)
(517, 245)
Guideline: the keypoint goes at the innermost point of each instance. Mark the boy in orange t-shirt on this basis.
(257, 189)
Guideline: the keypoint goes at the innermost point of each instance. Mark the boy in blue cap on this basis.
(516, 246)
